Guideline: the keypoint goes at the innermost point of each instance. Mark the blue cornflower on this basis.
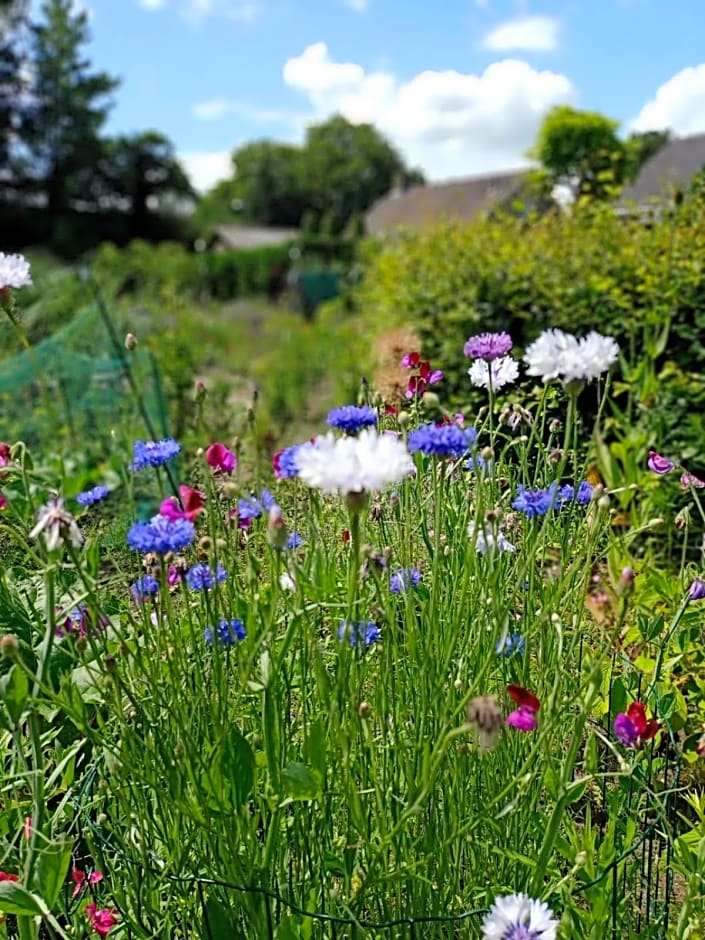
(537, 502)
(513, 644)
(402, 580)
(442, 440)
(364, 633)
(251, 508)
(584, 494)
(95, 495)
(227, 633)
(202, 578)
(161, 535)
(566, 494)
(144, 587)
(154, 453)
(477, 462)
(351, 419)
(284, 462)
(294, 540)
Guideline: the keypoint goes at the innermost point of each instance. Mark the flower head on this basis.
(488, 346)
(161, 535)
(251, 508)
(154, 453)
(487, 539)
(519, 917)
(401, 581)
(220, 458)
(361, 635)
(361, 464)
(632, 728)
(8, 876)
(484, 713)
(14, 271)
(524, 717)
(189, 505)
(659, 464)
(696, 591)
(79, 879)
(202, 578)
(688, 480)
(227, 633)
(536, 502)
(497, 373)
(284, 462)
(102, 921)
(442, 440)
(57, 525)
(511, 645)
(89, 497)
(351, 419)
(144, 587)
(559, 355)
(80, 621)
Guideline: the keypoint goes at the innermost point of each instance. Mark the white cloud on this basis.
(359, 6)
(205, 168)
(211, 110)
(678, 105)
(530, 33)
(245, 11)
(449, 123)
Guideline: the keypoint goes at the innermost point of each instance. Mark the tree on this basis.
(70, 105)
(581, 150)
(348, 167)
(139, 170)
(270, 181)
(14, 106)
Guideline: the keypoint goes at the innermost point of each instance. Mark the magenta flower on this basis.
(633, 729)
(688, 480)
(79, 879)
(192, 502)
(523, 718)
(659, 464)
(488, 346)
(220, 458)
(102, 921)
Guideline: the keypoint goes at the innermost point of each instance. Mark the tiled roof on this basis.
(674, 165)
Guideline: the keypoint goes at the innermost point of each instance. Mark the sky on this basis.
(458, 86)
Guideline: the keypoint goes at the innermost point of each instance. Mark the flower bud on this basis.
(683, 518)
(130, 341)
(9, 646)
(431, 399)
(365, 710)
(403, 418)
(277, 532)
(199, 391)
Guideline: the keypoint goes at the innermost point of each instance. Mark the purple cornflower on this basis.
(154, 453)
(284, 462)
(488, 346)
(79, 621)
(512, 645)
(202, 578)
(251, 508)
(293, 541)
(696, 591)
(442, 440)
(362, 634)
(537, 502)
(351, 419)
(227, 633)
(401, 581)
(144, 587)
(161, 535)
(95, 495)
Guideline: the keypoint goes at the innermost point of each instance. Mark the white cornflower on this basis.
(487, 540)
(559, 355)
(503, 371)
(286, 582)
(519, 917)
(14, 271)
(361, 464)
(57, 524)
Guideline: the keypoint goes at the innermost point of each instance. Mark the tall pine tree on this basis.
(70, 105)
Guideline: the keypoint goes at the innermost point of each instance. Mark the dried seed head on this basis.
(485, 715)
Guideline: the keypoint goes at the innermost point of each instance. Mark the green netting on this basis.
(72, 389)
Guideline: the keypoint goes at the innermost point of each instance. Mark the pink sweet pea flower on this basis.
(659, 464)
(79, 879)
(220, 458)
(3, 502)
(5, 454)
(102, 921)
(410, 360)
(632, 728)
(524, 717)
(688, 480)
(8, 876)
(192, 502)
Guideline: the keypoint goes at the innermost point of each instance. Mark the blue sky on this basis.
(459, 86)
